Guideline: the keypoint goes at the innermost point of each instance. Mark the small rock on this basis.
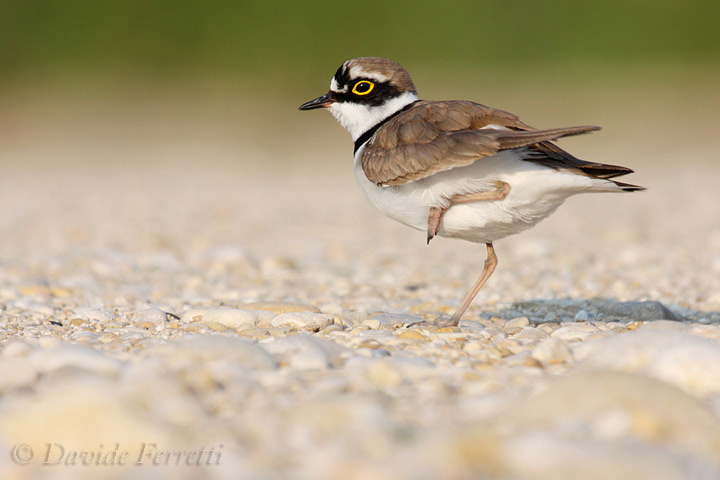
(151, 315)
(448, 330)
(372, 323)
(270, 264)
(15, 348)
(664, 325)
(389, 320)
(685, 360)
(76, 357)
(530, 335)
(575, 331)
(16, 373)
(384, 374)
(302, 320)
(207, 348)
(412, 335)
(582, 316)
(278, 308)
(229, 317)
(518, 322)
(551, 351)
(93, 314)
(305, 352)
(643, 311)
(472, 346)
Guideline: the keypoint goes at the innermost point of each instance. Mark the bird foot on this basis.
(436, 214)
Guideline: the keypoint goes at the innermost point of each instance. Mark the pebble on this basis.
(229, 317)
(306, 352)
(582, 316)
(393, 320)
(302, 320)
(15, 348)
(384, 374)
(68, 358)
(551, 351)
(682, 359)
(518, 322)
(153, 316)
(643, 311)
(278, 308)
(293, 352)
(199, 348)
(412, 335)
(574, 331)
(16, 373)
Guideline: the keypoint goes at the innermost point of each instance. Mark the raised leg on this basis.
(436, 213)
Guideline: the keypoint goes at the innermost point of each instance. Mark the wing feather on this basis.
(431, 137)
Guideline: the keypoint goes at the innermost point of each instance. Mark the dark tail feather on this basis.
(601, 170)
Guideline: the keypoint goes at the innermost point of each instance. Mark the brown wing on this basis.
(431, 137)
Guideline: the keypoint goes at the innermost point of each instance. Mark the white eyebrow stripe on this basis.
(356, 71)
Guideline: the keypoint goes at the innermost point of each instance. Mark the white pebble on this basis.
(68, 355)
(230, 317)
(302, 320)
(688, 361)
(551, 350)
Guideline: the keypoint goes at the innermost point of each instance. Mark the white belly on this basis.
(535, 192)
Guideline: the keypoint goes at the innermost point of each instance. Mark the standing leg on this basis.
(490, 264)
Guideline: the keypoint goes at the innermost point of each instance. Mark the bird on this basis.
(456, 168)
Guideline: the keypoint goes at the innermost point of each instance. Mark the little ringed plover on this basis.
(455, 169)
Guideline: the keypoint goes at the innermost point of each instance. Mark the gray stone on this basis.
(644, 311)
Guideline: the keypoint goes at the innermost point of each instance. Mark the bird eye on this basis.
(363, 87)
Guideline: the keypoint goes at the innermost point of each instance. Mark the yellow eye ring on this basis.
(363, 87)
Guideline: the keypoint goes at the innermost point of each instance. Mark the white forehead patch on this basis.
(334, 87)
(357, 71)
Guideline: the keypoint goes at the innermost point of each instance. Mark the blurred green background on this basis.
(290, 43)
(153, 75)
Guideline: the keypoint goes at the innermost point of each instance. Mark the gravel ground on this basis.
(193, 310)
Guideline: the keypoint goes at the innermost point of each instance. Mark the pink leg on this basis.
(490, 264)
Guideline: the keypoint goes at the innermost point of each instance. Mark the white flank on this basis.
(536, 192)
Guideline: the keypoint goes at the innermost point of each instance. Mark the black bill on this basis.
(320, 102)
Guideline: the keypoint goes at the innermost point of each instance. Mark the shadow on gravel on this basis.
(604, 310)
